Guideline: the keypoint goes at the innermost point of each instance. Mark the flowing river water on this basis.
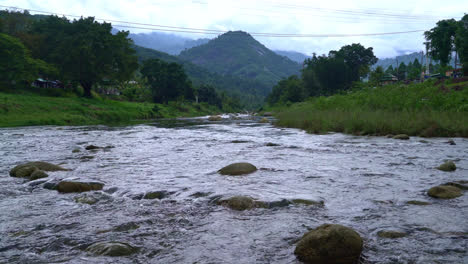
(364, 183)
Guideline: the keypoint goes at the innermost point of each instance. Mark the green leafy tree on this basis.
(441, 40)
(414, 71)
(208, 94)
(461, 42)
(168, 81)
(357, 58)
(390, 70)
(376, 75)
(85, 50)
(401, 74)
(16, 63)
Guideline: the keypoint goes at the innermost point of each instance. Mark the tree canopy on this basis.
(168, 81)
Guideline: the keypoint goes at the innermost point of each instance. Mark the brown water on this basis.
(364, 182)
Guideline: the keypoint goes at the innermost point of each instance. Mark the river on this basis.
(363, 181)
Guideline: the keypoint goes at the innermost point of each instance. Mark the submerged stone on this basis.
(416, 202)
(264, 120)
(215, 118)
(307, 202)
(444, 192)
(92, 147)
(270, 144)
(70, 186)
(391, 234)
(238, 169)
(459, 184)
(330, 243)
(76, 150)
(155, 195)
(401, 137)
(447, 166)
(112, 249)
(451, 142)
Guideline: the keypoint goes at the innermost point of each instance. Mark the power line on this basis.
(165, 28)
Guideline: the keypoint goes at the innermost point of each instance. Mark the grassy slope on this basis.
(426, 109)
(31, 109)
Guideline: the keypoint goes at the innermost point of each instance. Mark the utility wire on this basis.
(164, 28)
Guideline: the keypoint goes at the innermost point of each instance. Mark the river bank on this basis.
(30, 109)
(429, 109)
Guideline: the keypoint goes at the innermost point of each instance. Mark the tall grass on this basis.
(427, 109)
(29, 109)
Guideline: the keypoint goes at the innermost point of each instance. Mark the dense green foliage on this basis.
(425, 109)
(325, 75)
(16, 63)
(168, 81)
(239, 54)
(448, 36)
(84, 50)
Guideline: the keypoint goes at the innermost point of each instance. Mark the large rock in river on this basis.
(72, 186)
(25, 170)
(444, 192)
(241, 203)
(238, 169)
(330, 243)
(401, 137)
(447, 166)
(112, 249)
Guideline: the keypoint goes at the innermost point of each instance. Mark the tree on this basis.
(414, 72)
(376, 75)
(390, 70)
(208, 94)
(86, 51)
(357, 58)
(16, 63)
(168, 81)
(461, 42)
(401, 74)
(441, 40)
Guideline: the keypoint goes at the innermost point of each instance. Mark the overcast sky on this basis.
(277, 16)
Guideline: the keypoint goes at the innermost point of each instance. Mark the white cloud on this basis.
(280, 16)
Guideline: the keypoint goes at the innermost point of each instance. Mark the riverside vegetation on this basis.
(427, 109)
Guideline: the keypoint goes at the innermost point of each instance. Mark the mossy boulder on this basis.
(35, 168)
(72, 186)
(240, 168)
(86, 199)
(401, 137)
(330, 243)
(25, 170)
(459, 184)
(447, 166)
(445, 192)
(391, 234)
(451, 142)
(112, 249)
(215, 118)
(241, 203)
(416, 202)
(38, 174)
(76, 150)
(268, 114)
(270, 144)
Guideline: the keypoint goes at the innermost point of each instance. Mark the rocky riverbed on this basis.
(163, 199)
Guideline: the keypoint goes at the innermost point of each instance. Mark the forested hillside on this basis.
(239, 54)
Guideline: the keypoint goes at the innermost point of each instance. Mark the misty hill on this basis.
(250, 92)
(293, 55)
(168, 43)
(239, 54)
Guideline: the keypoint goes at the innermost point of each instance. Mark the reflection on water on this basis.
(364, 182)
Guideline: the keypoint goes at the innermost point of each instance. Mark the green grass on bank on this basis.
(30, 109)
(427, 109)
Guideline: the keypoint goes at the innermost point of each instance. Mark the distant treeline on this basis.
(84, 53)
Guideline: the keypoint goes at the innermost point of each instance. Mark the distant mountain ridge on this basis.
(293, 55)
(237, 53)
(406, 59)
